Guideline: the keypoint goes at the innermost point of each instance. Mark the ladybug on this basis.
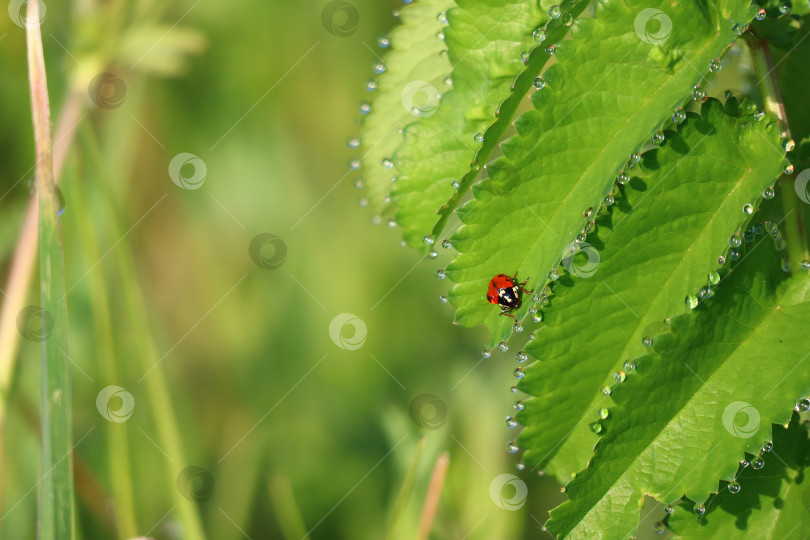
(506, 292)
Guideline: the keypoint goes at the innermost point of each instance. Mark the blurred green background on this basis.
(292, 433)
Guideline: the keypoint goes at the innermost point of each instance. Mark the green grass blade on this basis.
(143, 354)
(659, 243)
(55, 520)
(608, 93)
(708, 393)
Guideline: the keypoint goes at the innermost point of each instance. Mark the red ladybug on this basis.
(507, 293)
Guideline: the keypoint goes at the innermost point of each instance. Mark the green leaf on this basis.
(611, 89)
(484, 43)
(659, 242)
(773, 502)
(716, 380)
(414, 76)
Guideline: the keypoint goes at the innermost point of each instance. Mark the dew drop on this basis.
(700, 509)
(588, 214)
(478, 137)
(691, 301)
(768, 193)
(362, 202)
(554, 12)
(443, 299)
(550, 50)
(427, 240)
(706, 292)
(757, 463)
(605, 390)
(355, 164)
(596, 427)
(734, 487)
(442, 17)
(738, 28)
(805, 265)
(788, 145)
(511, 422)
(387, 163)
(383, 42)
(629, 365)
(503, 347)
(513, 389)
(537, 317)
(392, 223)
(735, 241)
(553, 275)
(785, 8)
(446, 244)
(521, 356)
(517, 328)
(524, 57)
(365, 107)
(759, 115)
(440, 274)
(539, 35)
(359, 184)
(432, 254)
(519, 405)
(748, 209)
(620, 376)
(678, 116)
(379, 68)
(658, 527)
(621, 178)
(448, 81)
(539, 83)
(371, 86)
(647, 341)
(485, 354)
(803, 405)
(698, 93)
(512, 447)
(354, 142)
(609, 200)
(761, 14)
(669, 510)
(454, 184)
(519, 372)
(603, 413)
(721, 260)
(715, 66)
(767, 446)
(788, 169)
(520, 467)
(440, 35)
(658, 138)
